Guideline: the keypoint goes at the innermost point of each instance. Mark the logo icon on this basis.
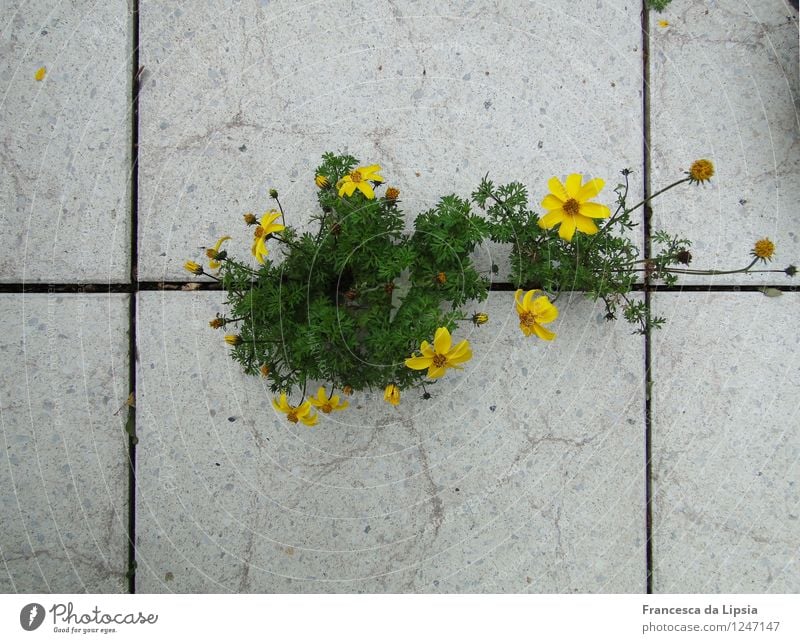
(31, 616)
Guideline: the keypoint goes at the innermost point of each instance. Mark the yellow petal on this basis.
(595, 210)
(590, 190)
(368, 169)
(517, 302)
(419, 363)
(281, 405)
(40, 73)
(586, 225)
(544, 311)
(308, 420)
(573, 185)
(552, 219)
(557, 189)
(435, 372)
(427, 349)
(526, 301)
(567, 228)
(460, 354)
(219, 242)
(366, 189)
(543, 333)
(442, 341)
(552, 202)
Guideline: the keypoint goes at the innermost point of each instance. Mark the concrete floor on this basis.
(529, 473)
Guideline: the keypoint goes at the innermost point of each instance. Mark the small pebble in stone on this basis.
(492, 408)
(231, 419)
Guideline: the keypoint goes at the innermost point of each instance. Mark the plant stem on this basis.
(655, 194)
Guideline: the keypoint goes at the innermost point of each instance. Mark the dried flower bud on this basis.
(441, 278)
(389, 288)
(264, 370)
(217, 322)
(351, 295)
(250, 218)
(702, 170)
(684, 257)
(479, 319)
(194, 268)
(347, 389)
(392, 194)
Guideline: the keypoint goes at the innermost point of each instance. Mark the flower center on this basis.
(439, 360)
(259, 232)
(292, 416)
(327, 407)
(355, 176)
(572, 207)
(527, 319)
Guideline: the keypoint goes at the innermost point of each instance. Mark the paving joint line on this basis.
(646, 287)
(133, 288)
(500, 286)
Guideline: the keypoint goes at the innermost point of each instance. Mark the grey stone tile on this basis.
(242, 97)
(523, 473)
(724, 82)
(65, 158)
(725, 443)
(64, 468)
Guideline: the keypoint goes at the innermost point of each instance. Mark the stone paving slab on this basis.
(724, 86)
(64, 467)
(725, 443)
(241, 97)
(65, 153)
(524, 473)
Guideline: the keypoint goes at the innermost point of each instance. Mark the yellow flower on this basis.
(535, 312)
(763, 249)
(194, 268)
(391, 394)
(439, 357)
(359, 179)
(233, 340)
(40, 73)
(212, 253)
(296, 414)
(569, 206)
(701, 171)
(266, 227)
(322, 181)
(327, 404)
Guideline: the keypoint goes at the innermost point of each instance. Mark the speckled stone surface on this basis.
(242, 97)
(65, 141)
(524, 473)
(724, 86)
(725, 443)
(64, 466)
